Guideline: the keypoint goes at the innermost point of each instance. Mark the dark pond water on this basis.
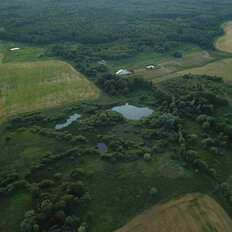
(71, 119)
(101, 147)
(148, 147)
(133, 112)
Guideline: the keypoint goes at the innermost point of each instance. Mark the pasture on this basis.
(32, 86)
(191, 213)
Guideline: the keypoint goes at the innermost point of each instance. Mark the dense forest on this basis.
(114, 28)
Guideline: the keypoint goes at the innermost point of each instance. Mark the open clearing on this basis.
(224, 42)
(31, 86)
(191, 213)
(174, 65)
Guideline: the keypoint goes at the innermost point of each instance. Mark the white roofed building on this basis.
(150, 67)
(123, 72)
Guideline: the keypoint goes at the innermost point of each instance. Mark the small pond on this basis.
(71, 119)
(148, 147)
(101, 147)
(133, 112)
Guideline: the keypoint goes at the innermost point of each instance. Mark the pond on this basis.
(101, 147)
(71, 119)
(133, 112)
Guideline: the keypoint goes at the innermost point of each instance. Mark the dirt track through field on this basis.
(191, 213)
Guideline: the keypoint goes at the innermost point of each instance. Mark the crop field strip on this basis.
(193, 212)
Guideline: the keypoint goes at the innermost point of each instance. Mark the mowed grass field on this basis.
(224, 42)
(32, 86)
(191, 213)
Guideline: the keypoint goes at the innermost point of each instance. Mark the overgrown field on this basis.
(191, 213)
(31, 86)
(222, 68)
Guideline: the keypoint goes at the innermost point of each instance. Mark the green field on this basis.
(27, 83)
(32, 86)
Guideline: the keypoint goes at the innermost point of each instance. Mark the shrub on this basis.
(147, 157)
(153, 191)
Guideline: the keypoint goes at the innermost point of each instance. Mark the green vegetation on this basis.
(188, 135)
(57, 180)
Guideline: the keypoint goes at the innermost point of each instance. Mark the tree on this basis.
(35, 191)
(60, 215)
(205, 125)
(212, 172)
(177, 54)
(46, 206)
(29, 223)
(57, 176)
(82, 229)
(72, 222)
(214, 150)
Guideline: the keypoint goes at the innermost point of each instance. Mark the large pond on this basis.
(133, 112)
(71, 119)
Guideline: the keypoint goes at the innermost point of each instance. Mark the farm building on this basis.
(102, 62)
(150, 67)
(123, 72)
